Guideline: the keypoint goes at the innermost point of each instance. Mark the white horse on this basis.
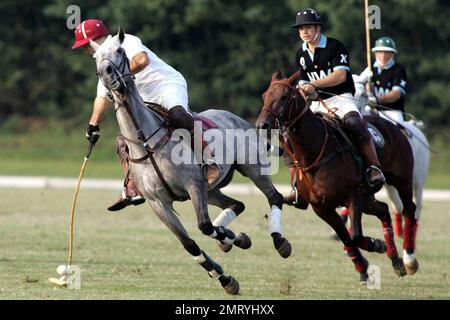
(421, 153)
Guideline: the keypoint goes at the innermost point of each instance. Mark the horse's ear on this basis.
(120, 34)
(276, 75)
(94, 45)
(294, 76)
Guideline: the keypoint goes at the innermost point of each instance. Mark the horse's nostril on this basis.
(109, 70)
(265, 126)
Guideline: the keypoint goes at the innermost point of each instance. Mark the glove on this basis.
(93, 133)
(372, 100)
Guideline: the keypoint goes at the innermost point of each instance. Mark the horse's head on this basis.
(112, 63)
(280, 102)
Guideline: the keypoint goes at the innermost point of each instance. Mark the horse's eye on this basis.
(283, 98)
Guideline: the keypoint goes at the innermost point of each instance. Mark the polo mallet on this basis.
(63, 270)
(366, 19)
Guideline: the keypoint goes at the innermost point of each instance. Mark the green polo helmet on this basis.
(385, 44)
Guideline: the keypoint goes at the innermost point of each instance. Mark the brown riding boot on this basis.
(376, 177)
(130, 193)
(211, 170)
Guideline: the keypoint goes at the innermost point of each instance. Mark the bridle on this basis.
(291, 108)
(127, 80)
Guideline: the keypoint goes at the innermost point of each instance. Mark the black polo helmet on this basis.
(307, 16)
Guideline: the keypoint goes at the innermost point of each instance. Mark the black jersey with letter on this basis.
(329, 55)
(393, 76)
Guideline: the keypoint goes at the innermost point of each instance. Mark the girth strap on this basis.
(149, 154)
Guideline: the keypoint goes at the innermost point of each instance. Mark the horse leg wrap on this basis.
(389, 239)
(409, 233)
(225, 218)
(361, 264)
(224, 235)
(214, 269)
(275, 220)
(398, 224)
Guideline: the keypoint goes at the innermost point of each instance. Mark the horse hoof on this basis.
(232, 287)
(363, 277)
(399, 267)
(380, 246)
(411, 263)
(284, 248)
(243, 241)
(224, 246)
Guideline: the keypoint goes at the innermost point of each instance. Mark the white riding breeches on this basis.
(171, 95)
(340, 105)
(392, 115)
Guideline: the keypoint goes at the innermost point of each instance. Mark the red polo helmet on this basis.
(90, 29)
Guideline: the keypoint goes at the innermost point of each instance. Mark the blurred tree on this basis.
(227, 50)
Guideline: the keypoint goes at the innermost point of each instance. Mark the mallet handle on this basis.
(74, 201)
(366, 13)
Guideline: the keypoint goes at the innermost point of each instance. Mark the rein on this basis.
(127, 79)
(288, 124)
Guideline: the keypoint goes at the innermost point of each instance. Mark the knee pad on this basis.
(181, 119)
(357, 127)
(121, 148)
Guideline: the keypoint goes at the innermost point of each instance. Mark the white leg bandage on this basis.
(275, 220)
(224, 218)
(200, 259)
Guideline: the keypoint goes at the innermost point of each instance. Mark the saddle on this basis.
(164, 114)
(345, 142)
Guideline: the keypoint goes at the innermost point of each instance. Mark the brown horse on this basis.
(329, 175)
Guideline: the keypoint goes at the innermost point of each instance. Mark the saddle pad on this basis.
(206, 122)
(376, 135)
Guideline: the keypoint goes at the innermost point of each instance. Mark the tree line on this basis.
(227, 50)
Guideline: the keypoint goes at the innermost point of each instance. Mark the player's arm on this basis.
(390, 97)
(101, 104)
(139, 62)
(333, 79)
(398, 88)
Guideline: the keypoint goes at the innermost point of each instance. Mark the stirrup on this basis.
(210, 162)
(125, 201)
(204, 168)
(378, 183)
(372, 167)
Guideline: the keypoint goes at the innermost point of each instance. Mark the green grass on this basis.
(132, 255)
(56, 149)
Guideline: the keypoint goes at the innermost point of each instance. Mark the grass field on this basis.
(131, 255)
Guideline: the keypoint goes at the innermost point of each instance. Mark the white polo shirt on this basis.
(158, 82)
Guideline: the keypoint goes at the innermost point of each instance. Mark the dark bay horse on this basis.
(328, 175)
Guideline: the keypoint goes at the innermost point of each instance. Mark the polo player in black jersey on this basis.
(388, 80)
(324, 65)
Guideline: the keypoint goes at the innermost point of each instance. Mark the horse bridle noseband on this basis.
(293, 96)
(127, 79)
